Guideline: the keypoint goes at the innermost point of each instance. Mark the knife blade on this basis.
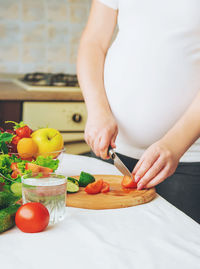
(118, 163)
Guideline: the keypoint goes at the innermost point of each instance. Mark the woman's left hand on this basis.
(156, 164)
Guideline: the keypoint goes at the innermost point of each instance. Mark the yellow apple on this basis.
(48, 140)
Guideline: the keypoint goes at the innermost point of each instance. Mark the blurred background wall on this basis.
(41, 35)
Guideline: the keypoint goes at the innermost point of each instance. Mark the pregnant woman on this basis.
(143, 92)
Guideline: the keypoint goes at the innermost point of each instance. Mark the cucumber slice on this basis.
(74, 180)
(72, 186)
(16, 188)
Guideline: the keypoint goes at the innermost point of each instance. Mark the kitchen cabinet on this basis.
(64, 111)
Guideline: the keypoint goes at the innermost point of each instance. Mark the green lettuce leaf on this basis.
(47, 162)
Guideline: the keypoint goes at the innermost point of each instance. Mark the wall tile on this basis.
(29, 68)
(34, 33)
(9, 53)
(74, 40)
(57, 54)
(9, 10)
(56, 11)
(78, 13)
(57, 68)
(9, 33)
(41, 35)
(33, 10)
(33, 53)
(9, 68)
(57, 33)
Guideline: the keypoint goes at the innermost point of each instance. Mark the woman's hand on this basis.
(100, 132)
(156, 164)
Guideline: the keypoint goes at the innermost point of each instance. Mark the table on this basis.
(149, 236)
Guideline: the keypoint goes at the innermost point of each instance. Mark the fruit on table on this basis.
(37, 168)
(27, 148)
(95, 187)
(48, 140)
(85, 179)
(127, 182)
(21, 129)
(14, 143)
(32, 218)
(7, 217)
(72, 185)
(24, 131)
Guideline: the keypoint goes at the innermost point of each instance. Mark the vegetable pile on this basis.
(91, 186)
(88, 181)
(18, 157)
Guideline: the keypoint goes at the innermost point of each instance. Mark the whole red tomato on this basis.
(32, 218)
(24, 131)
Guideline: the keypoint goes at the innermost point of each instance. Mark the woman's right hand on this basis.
(100, 132)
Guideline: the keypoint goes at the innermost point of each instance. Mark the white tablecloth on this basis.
(149, 236)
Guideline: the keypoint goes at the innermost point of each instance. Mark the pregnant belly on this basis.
(149, 91)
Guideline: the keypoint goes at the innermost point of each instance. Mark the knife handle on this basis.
(111, 152)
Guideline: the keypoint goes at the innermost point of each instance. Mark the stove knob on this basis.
(77, 118)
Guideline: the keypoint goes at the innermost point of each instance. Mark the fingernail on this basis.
(137, 178)
(139, 186)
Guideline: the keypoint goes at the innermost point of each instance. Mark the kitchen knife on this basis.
(118, 163)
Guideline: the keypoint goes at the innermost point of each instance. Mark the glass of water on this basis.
(47, 189)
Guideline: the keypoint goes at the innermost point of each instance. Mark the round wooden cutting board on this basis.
(117, 197)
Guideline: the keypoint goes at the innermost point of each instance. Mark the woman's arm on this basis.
(161, 159)
(101, 128)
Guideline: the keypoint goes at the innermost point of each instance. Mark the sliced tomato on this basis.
(127, 182)
(13, 166)
(105, 187)
(45, 170)
(33, 167)
(15, 173)
(37, 168)
(95, 187)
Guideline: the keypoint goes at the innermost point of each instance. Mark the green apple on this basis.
(48, 140)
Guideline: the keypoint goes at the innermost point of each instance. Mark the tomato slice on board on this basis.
(127, 182)
(105, 187)
(95, 187)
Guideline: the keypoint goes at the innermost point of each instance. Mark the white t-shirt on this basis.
(152, 70)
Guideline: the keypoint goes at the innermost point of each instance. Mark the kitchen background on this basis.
(43, 36)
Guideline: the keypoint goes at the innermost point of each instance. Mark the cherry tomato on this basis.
(32, 218)
(127, 182)
(24, 131)
(95, 187)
